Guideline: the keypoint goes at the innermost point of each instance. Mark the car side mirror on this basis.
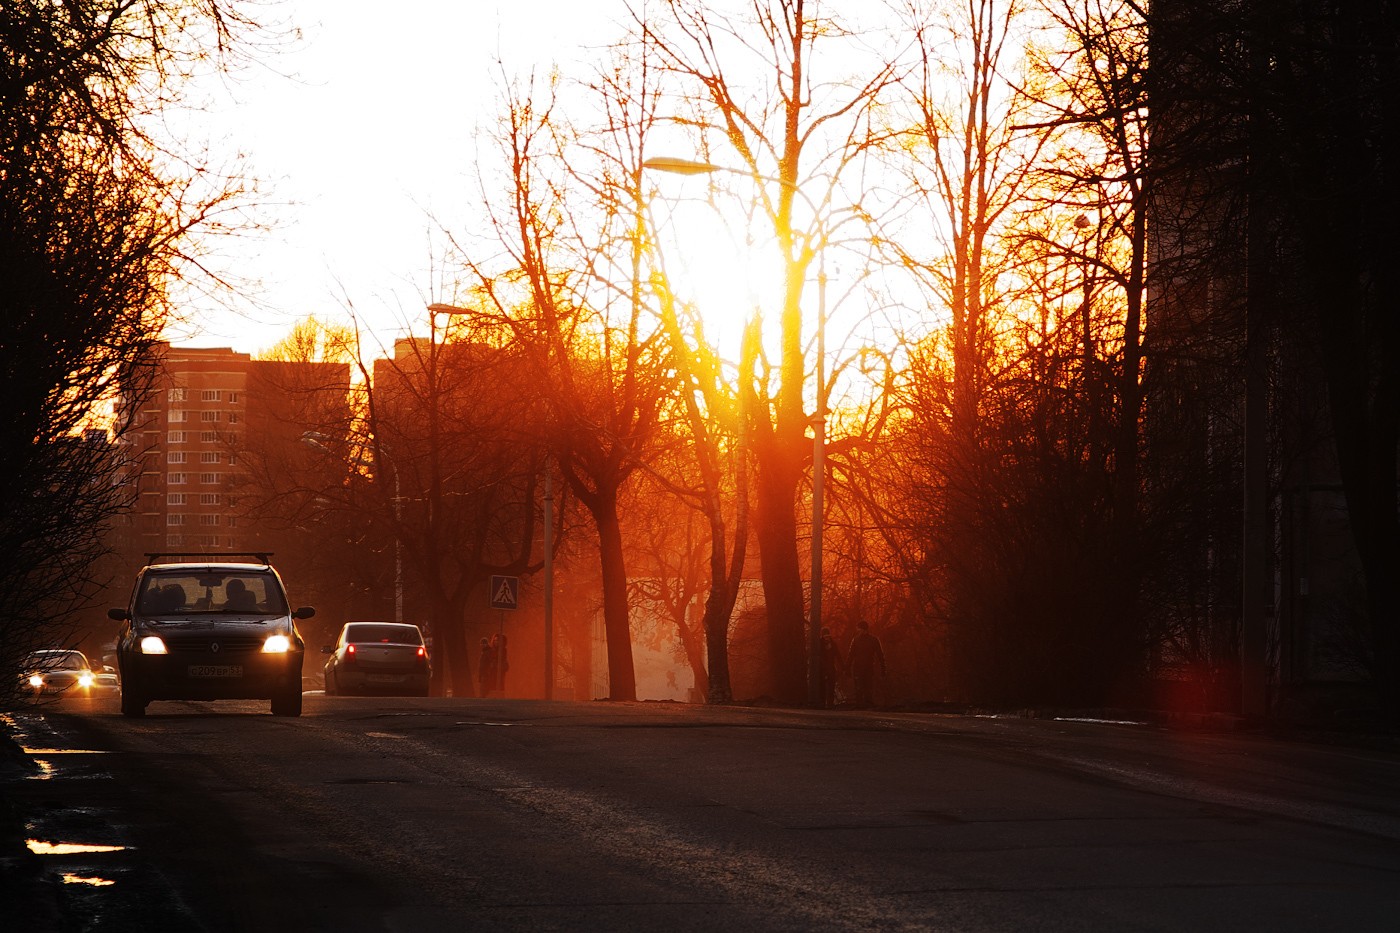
(108, 669)
(120, 615)
(328, 649)
(305, 612)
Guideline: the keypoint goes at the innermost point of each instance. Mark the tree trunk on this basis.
(782, 576)
(453, 635)
(622, 678)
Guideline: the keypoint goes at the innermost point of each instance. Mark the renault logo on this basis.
(214, 648)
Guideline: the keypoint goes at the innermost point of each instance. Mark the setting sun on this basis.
(720, 265)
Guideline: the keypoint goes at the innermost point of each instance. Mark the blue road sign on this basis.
(505, 592)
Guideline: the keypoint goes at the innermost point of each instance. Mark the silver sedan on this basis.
(377, 657)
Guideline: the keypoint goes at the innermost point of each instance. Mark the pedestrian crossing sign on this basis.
(505, 592)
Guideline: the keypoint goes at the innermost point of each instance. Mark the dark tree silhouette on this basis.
(96, 224)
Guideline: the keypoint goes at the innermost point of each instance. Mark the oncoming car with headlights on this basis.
(209, 629)
(62, 672)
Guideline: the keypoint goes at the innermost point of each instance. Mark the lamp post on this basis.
(678, 166)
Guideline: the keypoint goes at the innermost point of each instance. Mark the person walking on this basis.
(486, 668)
(864, 656)
(831, 665)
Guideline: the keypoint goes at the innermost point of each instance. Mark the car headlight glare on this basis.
(277, 644)
(152, 644)
(85, 679)
(36, 681)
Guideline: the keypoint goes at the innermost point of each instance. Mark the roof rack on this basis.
(262, 556)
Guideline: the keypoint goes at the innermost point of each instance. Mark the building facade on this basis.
(207, 413)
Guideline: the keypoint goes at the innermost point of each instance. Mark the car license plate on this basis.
(385, 678)
(215, 670)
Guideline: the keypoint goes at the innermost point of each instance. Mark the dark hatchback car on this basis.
(209, 629)
(377, 657)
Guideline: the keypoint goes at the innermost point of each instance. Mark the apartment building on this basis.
(193, 433)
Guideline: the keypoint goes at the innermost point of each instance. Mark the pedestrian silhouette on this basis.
(831, 666)
(865, 655)
(486, 668)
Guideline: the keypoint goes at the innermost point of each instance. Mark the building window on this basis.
(210, 395)
(175, 479)
(233, 397)
(175, 456)
(211, 456)
(210, 478)
(233, 417)
(209, 519)
(175, 395)
(209, 415)
(175, 518)
(209, 437)
(177, 415)
(175, 498)
(174, 540)
(208, 498)
(175, 437)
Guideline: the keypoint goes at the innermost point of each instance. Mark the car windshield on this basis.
(57, 661)
(210, 591)
(383, 633)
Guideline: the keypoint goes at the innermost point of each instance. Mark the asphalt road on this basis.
(458, 814)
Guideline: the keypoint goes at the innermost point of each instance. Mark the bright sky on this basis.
(364, 134)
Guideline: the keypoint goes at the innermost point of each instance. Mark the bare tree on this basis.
(669, 569)
(798, 136)
(715, 419)
(98, 219)
(967, 164)
(461, 480)
(572, 291)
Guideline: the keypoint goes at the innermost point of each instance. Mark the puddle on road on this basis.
(40, 847)
(93, 882)
(45, 772)
(86, 879)
(47, 768)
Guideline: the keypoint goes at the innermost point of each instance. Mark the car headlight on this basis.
(152, 644)
(36, 681)
(277, 644)
(85, 679)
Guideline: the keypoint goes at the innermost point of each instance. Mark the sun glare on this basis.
(723, 270)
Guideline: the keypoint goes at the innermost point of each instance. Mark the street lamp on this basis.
(678, 166)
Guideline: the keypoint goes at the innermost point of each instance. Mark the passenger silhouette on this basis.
(238, 597)
(170, 599)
